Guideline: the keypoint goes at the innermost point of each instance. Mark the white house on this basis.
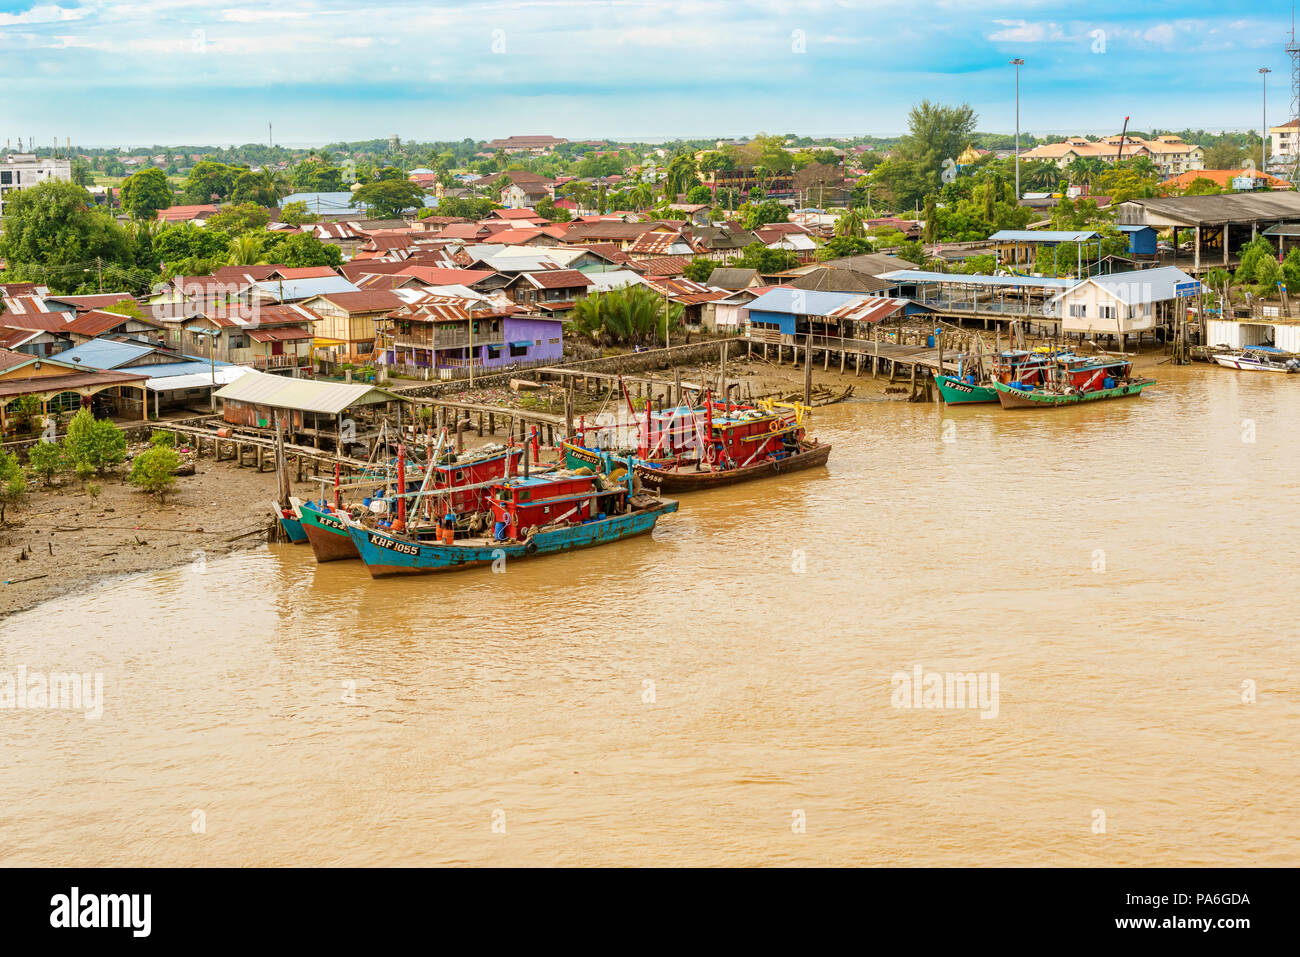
(1124, 302)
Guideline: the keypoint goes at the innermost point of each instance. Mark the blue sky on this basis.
(217, 71)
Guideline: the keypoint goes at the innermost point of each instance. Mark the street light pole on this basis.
(1017, 63)
(1263, 129)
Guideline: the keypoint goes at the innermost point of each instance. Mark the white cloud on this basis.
(1026, 31)
(44, 13)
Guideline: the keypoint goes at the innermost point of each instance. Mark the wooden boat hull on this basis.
(578, 456)
(956, 392)
(292, 525)
(327, 535)
(668, 480)
(385, 554)
(1013, 398)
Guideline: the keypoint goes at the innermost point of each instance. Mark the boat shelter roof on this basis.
(303, 395)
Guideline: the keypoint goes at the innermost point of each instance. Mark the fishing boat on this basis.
(1072, 380)
(971, 385)
(530, 517)
(456, 482)
(1259, 359)
(290, 521)
(686, 449)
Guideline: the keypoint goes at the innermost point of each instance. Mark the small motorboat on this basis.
(1258, 359)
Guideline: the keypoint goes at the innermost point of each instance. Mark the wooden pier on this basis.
(258, 452)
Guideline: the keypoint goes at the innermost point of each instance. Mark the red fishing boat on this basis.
(735, 443)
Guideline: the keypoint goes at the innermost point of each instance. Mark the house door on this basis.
(277, 348)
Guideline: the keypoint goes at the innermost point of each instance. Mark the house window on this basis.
(1146, 308)
(1106, 312)
(1078, 312)
(554, 342)
(517, 351)
(238, 342)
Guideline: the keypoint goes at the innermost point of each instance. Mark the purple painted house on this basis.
(442, 336)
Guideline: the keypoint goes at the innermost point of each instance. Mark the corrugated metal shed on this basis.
(302, 395)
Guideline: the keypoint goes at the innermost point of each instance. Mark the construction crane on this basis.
(1122, 133)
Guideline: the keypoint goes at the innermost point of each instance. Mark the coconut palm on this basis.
(851, 224)
(1085, 170)
(245, 250)
(630, 315)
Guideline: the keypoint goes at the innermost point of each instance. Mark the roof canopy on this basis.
(302, 395)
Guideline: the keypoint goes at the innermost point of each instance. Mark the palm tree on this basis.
(1085, 170)
(273, 184)
(851, 224)
(1040, 175)
(245, 250)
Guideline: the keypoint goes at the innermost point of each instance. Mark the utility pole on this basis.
(1017, 63)
(1263, 129)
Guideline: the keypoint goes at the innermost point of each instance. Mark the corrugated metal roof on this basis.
(977, 279)
(289, 289)
(302, 395)
(1043, 235)
(225, 374)
(1141, 285)
(103, 353)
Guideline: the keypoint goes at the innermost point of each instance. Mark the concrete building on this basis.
(21, 170)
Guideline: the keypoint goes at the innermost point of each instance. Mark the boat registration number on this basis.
(329, 522)
(402, 548)
(958, 386)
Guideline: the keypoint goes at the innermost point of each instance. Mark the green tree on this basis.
(93, 443)
(53, 233)
(245, 249)
(13, 484)
(935, 134)
(209, 181)
(154, 470)
(46, 459)
(841, 247)
(681, 175)
(297, 214)
(850, 224)
(239, 218)
(753, 215)
(146, 192)
(301, 249)
(632, 315)
(1224, 154)
(389, 198)
(699, 269)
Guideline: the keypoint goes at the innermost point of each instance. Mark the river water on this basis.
(724, 692)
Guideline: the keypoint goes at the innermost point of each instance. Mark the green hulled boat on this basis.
(957, 391)
(1012, 397)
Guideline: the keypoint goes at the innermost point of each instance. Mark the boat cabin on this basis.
(521, 504)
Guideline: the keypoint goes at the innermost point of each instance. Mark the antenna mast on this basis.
(1293, 51)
